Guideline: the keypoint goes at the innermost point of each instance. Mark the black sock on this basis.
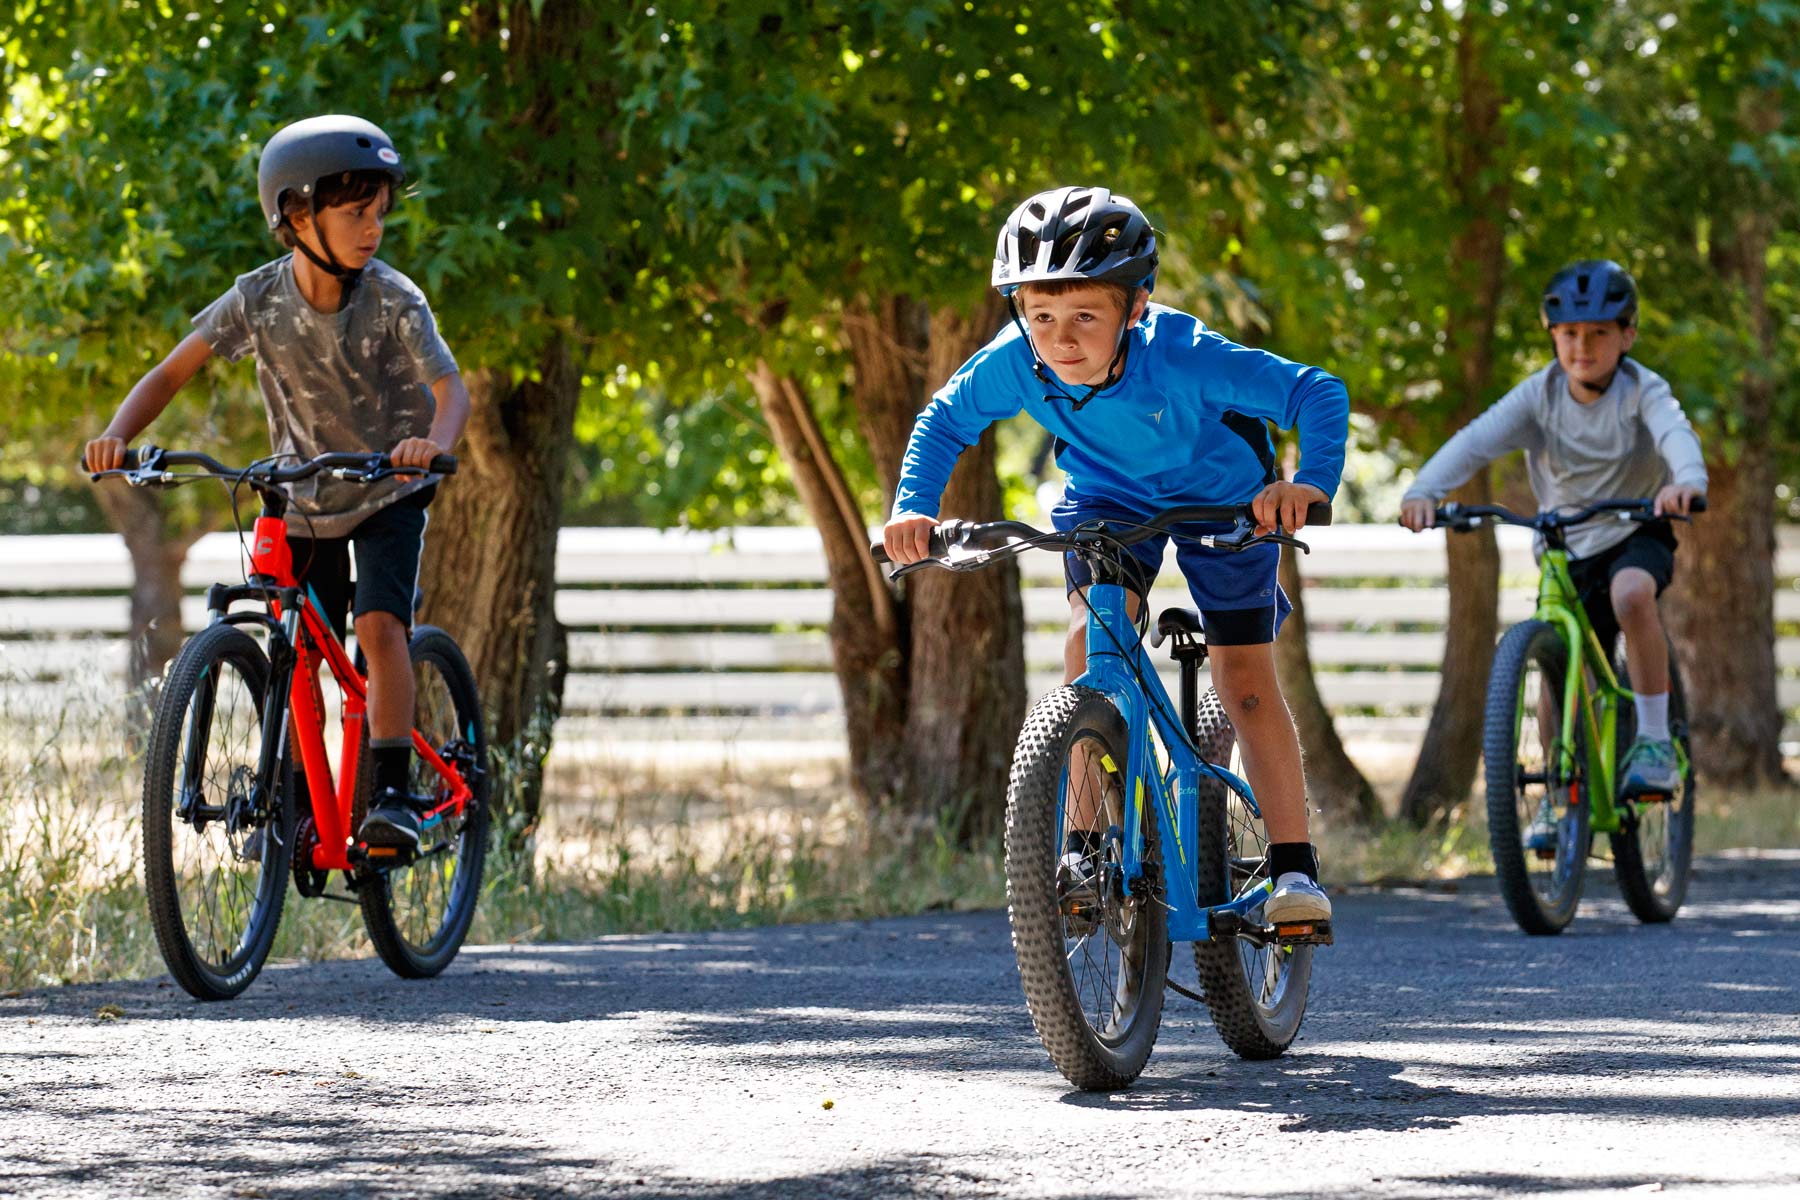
(393, 763)
(1293, 856)
(1084, 842)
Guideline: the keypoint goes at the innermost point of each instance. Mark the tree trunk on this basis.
(490, 563)
(964, 647)
(156, 559)
(1721, 609)
(926, 732)
(1452, 748)
(1446, 767)
(866, 630)
(1333, 782)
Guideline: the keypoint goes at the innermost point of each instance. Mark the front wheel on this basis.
(1654, 850)
(418, 914)
(215, 842)
(1256, 994)
(1536, 782)
(1093, 948)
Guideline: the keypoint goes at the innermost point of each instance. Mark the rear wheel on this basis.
(1536, 787)
(215, 844)
(1093, 962)
(1654, 850)
(1256, 994)
(418, 914)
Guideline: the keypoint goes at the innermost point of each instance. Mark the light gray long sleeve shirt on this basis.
(1627, 444)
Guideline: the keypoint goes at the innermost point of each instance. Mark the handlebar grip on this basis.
(130, 462)
(1319, 513)
(1697, 505)
(879, 553)
(443, 464)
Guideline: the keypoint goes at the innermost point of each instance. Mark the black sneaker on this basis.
(393, 821)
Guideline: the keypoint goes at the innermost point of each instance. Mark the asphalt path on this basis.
(1445, 1054)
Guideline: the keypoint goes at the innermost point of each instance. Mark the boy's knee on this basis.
(1633, 593)
(383, 628)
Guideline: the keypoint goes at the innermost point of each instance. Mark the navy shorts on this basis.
(1240, 602)
(387, 546)
(1650, 548)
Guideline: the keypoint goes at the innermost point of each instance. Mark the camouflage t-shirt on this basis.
(359, 379)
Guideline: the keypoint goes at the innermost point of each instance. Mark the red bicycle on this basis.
(221, 794)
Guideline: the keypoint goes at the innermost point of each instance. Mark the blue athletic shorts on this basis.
(1240, 602)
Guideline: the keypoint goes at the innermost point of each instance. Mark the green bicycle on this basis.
(1554, 739)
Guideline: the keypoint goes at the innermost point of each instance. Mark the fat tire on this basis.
(1244, 1025)
(1628, 859)
(1032, 838)
(203, 655)
(374, 889)
(1524, 643)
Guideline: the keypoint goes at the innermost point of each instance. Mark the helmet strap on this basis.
(1048, 377)
(347, 277)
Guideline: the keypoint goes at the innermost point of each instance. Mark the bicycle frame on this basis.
(1591, 693)
(332, 801)
(1174, 789)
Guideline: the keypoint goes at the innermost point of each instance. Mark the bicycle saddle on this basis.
(1174, 621)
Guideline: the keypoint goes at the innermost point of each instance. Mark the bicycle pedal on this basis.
(1304, 933)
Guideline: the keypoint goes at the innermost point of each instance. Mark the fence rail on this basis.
(699, 627)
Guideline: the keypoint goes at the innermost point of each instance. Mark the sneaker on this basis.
(1296, 899)
(393, 821)
(1649, 771)
(1077, 883)
(1540, 835)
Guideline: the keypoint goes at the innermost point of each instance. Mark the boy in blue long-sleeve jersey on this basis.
(1150, 410)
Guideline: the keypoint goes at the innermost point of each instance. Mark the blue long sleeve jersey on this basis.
(1183, 425)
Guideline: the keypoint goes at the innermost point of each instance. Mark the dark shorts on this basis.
(387, 546)
(1650, 549)
(1240, 602)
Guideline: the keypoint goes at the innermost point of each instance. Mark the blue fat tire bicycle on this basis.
(1554, 743)
(1185, 859)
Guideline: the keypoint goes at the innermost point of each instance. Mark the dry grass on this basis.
(625, 846)
(621, 849)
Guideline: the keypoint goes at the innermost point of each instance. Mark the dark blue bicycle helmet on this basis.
(1595, 289)
(1071, 233)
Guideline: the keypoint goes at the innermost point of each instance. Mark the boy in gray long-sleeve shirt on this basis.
(1596, 425)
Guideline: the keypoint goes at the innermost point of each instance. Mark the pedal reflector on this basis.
(384, 851)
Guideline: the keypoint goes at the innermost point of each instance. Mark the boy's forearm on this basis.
(452, 411)
(142, 405)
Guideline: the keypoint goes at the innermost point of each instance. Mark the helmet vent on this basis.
(364, 142)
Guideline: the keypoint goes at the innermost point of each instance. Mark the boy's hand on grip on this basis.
(1676, 500)
(1418, 513)
(907, 538)
(104, 454)
(1285, 503)
(415, 452)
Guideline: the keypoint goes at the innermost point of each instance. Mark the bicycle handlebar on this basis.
(1464, 518)
(992, 535)
(150, 464)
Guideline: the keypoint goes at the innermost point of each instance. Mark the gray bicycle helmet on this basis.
(1075, 233)
(1595, 289)
(301, 154)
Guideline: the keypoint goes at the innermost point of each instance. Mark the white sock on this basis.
(1653, 716)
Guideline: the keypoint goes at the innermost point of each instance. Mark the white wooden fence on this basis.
(723, 634)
